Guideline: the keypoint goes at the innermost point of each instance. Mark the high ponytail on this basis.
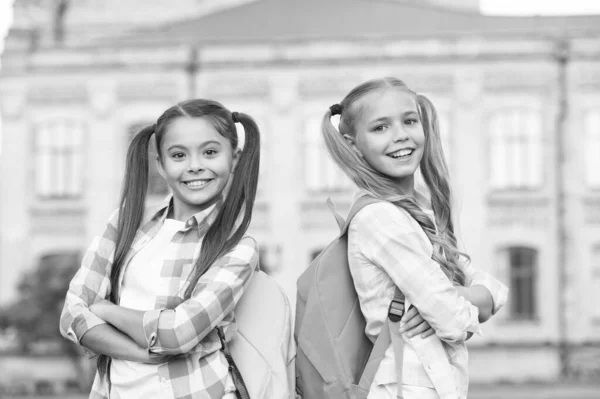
(433, 168)
(131, 212)
(235, 215)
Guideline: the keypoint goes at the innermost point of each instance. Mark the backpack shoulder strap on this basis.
(358, 205)
(390, 332)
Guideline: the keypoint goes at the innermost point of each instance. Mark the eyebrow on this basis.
(386, 118)
(205, 144)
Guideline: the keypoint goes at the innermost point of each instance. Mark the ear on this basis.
(352, 143)
(236, 157)
(159, 167)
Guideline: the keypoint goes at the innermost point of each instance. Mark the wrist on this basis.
(141, 355)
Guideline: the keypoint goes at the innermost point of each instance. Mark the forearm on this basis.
(481, 298)
(128, 321)
(107, 340)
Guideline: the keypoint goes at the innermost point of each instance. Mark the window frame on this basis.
(520, 141)
(60, 158)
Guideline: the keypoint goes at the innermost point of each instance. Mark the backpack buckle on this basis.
(396, 310)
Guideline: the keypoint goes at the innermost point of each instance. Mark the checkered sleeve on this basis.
(178, 330)
(390, 241)
(90, 284)
(498, 290)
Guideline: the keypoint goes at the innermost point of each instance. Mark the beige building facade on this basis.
(518, 98)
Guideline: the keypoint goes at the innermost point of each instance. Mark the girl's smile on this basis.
(401, 154)
(388, 135)
(197, 162)
(197, 184)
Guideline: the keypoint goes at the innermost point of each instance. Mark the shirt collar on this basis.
(201, 220)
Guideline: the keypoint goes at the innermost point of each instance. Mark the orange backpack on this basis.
(334, 358)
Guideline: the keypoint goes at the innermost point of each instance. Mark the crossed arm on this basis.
(148, 336)
(394, 242)
(478, 295)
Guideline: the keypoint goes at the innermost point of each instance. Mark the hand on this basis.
(415, 324)
(155, 358)
(100, 308)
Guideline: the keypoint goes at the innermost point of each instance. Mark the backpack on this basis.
(335, 359)
(262, 350)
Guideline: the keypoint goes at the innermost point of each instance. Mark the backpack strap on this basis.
(358, 205)
(241, 391)
(395, 314)
(390, 333)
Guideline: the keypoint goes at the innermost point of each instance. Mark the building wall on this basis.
(287, 91)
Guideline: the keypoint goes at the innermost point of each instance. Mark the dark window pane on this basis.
(523, 266)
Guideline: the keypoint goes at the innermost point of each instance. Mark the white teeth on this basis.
(196, 183)
(402, 153)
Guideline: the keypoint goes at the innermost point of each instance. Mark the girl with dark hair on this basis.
(155, 291)
(386, 134)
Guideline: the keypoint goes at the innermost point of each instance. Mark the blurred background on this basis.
(518, 96)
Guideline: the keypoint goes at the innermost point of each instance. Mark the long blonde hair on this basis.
(433, 169)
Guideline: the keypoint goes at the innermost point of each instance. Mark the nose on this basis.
(400, 134)
(195, 165)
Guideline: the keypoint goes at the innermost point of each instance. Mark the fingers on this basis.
(429, 332)
(421, 328)
(415, 324)
(411, 322)
(410, 314)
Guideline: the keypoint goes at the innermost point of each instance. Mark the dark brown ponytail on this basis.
(131, 212)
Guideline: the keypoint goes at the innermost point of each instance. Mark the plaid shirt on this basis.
(388, 248)
(174, 326)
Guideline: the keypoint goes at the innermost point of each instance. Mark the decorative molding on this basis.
(237, 87)
(517, 80)
(327, 85)
(519, 211)
(469, 85)
(284, 91)
(587, 78)
(102, 95)
(12, 100)
(591, 210)
(148, 90)
(57, 94)
(57, 219)
(429, 82)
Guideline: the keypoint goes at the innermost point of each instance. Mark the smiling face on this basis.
(196, 162)
(389, 135)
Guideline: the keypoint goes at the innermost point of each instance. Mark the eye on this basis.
(178, 155)
(379, 128)
(210, 152)
(411, 121)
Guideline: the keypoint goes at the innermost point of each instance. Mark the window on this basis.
(594, 289)
(59, 159)
(516, 149)
(320, 172)
(156, 184)
(522, 263)
(592, 149)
